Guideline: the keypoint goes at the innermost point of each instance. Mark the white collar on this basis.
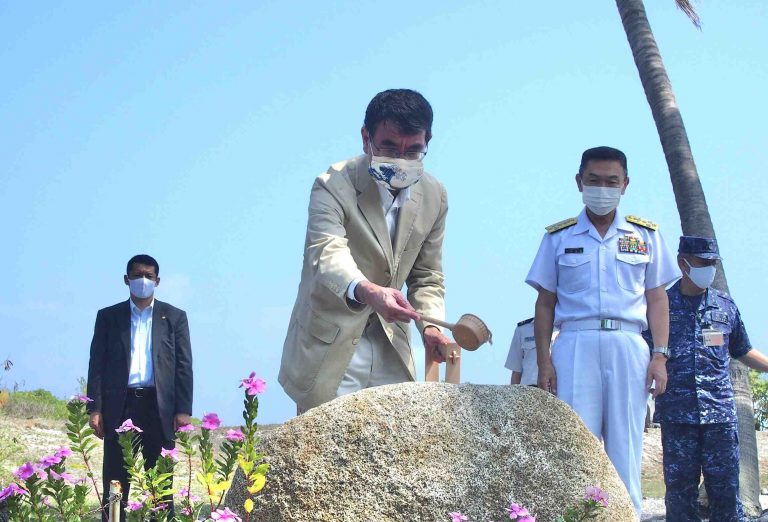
(135, 308)
(389, 201)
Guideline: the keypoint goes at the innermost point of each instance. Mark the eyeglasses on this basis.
(389, 152)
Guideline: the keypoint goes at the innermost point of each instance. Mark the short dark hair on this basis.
(142, 259)
(407, 109)
(605, 154)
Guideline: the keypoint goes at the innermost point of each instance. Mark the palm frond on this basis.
(687, 7)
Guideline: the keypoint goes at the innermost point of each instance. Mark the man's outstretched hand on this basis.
(389, 303)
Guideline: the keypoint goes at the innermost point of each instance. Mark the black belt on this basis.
(141, 393)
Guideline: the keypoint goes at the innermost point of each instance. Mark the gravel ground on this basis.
(654, 511)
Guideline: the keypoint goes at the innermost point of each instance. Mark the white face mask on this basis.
(395, 173)
(701, 276)
(141, 287)
(601, 200)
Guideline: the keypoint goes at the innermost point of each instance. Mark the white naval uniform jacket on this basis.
(602, 277)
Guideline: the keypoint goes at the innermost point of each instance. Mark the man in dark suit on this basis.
(140, 369)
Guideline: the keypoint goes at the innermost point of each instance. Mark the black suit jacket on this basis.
(111, 359)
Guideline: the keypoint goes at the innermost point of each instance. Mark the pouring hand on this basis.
(389, 303)
(433, 340)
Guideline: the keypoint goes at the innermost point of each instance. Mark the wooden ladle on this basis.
(470, 332)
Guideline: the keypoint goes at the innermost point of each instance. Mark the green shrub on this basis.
(759, 399)
(35, 404)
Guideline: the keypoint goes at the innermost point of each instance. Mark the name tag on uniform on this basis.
(713, 337)
(579, 250)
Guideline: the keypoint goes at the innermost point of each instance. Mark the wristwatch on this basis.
(663, 350)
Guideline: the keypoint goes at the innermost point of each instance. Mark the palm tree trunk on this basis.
(694, 214)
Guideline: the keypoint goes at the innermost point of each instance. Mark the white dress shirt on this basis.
(601, 277)
(391, 207)
(141, 373)
(521, 357)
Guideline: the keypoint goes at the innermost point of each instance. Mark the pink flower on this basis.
(211, 421)
(225, 515)
(63, 452)
(49, 460)
(82, 398)
(159, 507)
(25, 471)
(519, 513)
(127, 426)
(253, 385)
(12, 490)
(184, 493)
(133, 506)
(596, 494)
(186, 427)
(63, 476)
(170, 453)
(457, 517)
(235, 435)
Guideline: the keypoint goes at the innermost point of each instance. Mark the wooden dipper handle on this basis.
(438, 322)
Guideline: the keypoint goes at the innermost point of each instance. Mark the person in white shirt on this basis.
(521, 358)
(601, 278)
(140, 368)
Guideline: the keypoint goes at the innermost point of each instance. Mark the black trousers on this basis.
(141, 408)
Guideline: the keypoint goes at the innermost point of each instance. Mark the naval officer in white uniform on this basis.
(601, 279)
(521, 358)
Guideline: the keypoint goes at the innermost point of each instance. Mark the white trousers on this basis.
(374, 363)
(601, 375)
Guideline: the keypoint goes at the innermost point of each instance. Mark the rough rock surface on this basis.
(416, 451)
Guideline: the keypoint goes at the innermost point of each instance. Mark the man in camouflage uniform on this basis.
(697, 413)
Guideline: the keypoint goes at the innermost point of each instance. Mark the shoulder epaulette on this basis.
(560, 225)
(724, 295)
(521, 323)
(650, 225)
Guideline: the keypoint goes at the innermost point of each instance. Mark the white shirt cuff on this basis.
(351, 289)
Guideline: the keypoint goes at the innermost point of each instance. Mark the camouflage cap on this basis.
(702, 247)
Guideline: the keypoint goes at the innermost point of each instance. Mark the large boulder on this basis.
(417, 451)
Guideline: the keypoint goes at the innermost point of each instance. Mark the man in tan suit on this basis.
(376, 223)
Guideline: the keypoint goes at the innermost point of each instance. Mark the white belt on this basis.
(600, 324)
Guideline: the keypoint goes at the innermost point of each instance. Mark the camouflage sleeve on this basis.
(738, 343)
(648, 338)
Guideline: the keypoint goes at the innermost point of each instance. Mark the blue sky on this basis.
(192, 131)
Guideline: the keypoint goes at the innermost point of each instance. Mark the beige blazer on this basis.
(347, 239)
